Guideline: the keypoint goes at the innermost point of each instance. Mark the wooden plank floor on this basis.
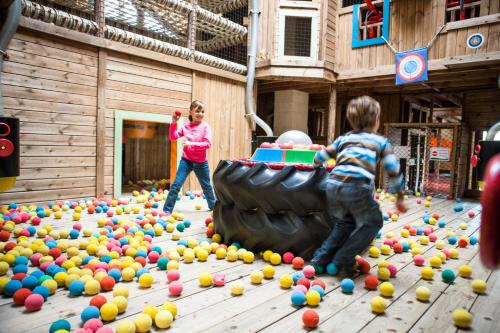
(266, 307)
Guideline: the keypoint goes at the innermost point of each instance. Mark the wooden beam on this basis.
(76, 36)
(101, 121)
(333, 116)
(473, 22)
(476, 60)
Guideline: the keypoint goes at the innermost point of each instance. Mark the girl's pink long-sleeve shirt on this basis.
(200, 137)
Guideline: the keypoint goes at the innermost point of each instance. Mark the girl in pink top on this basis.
(197, 140)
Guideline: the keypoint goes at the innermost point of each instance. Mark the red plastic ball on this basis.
(107, 283)
(305, 282)
(54, 252)
(208, 220)
(398, 248)
(364, 266)
(319, 282)
(297, 263)
(18, 276)
(462, 242)
(288, 257)
(310, 318)
(98, 301)
(140, 260)
(371, 282)
(210, 232)
(20, 295)
(35, 220)
(4, 236)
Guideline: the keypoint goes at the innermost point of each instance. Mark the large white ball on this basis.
(295, 137)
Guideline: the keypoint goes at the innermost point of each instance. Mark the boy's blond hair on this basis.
(363, 112)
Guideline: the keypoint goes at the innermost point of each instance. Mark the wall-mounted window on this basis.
(370, 25)
(458, 10)
(298, 35)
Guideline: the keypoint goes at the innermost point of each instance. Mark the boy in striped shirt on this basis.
(350, 187)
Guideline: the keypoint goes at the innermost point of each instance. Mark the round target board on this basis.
(411, 66)
(475, 41)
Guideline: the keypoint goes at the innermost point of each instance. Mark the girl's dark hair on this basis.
(195, 106)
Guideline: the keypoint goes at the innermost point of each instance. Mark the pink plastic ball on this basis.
(305, 282)
(35, 259)
(93, 324)
(309, 271)
(288, 257)
(433, 237)
(173, 275)
(419, 259)
(393, 270)
(471, 213)
(300, 288)
(104, 329)
(446, 253)
(389, 242)
(84, 330)
(33, 302)
(175, 288)
(153, 256)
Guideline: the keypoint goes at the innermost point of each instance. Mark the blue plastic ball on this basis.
(89, 312)
(459, 200)
(20, 269)
(458, 208)
(141, 253)
(141, 271)
(420, 230)
(332, 269)
(406, 246)
(106, 259)
(115, 274)
(426, 219)
(61, 324)
(187, 223)
(448, 275)
(30, 282)
(386, 217)
(11, 287)
(42, 290)
(76, 288)
(297, 276)
(347, 286)
(452, 240)
(298, 297)
(182, 242)
(73, 234)
(379, 234)
(441, 223)
(40, 214)
(98, 209)
(37, 273)
(473, 240)
(32, 230)
(180, 227)
(320, 290)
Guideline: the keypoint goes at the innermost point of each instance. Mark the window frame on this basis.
(314, 47)
(356, 41)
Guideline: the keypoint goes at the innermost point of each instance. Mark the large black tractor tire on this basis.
(266, 209)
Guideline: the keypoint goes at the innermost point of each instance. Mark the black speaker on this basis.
(9, 147)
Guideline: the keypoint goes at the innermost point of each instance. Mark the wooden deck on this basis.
(267, 307)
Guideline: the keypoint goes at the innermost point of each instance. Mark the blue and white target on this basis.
(475, 41)
(411, 67)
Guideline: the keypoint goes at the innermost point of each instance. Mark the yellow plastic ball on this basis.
(479, 286)
(128, 274)
(383, 264)
(217, 238)
(188, 256)
(143, 323)
(405, 233)
(465, 271)
(386, 289)
(220, 253)
(202, 255)
(462, 318)
(374, 252)
(268, 271)
(439, 244)
(232, 255)
(125, 326)
(267, 255)
(206, 279)
(423, 294)
(383, 274)
(120, 291)
(248, 257)
(427, 273)
(172, 264)
(237, 288)
(424, 240)
(109, 311)
(427, 204)
(256, 277)
(378, 305)
(454, 254)
(92, 287)
(435, 262)
(275, 259)
(121, 303)
(51, 285)
(170, 306)
(4, 267)
(146, 280)
(286, 281)
(163, 319)
(151, 311)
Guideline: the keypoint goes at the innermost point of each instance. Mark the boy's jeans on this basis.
(358, 219)
(202, 173)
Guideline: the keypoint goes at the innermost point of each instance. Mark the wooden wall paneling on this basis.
(493, 42)
(17, 103)
(494, 6)
(101, 121)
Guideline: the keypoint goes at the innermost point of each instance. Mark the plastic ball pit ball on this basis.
(92, 287)
(170, 306)
(33, 302)
(175, 288)
(163, 319)
(448, 276)
(378, 305)
(479, 286)
(107, 283)
(11, 287)
(268, 272)
(109, 311)
(257, 276)
(151, 311)
(120, 291)
(143, 323)
(121, 302)
(146, 280)
(297, 263)
(206, 279)
(347, 286)
(237, 288)
(297, 297)
(371, 282)
(454, 254)
(427, 273)
(363, 266)
(98, 301)
(93, 324)
(90, 312)
(465, 271)
(304, 282)
(309, 271)
(383, 274)
(76, 288)
(288, 257)
(435, 262)
(60, 324)
(462, 318)
(286, 281)
(386, 289)
(374, 252)
(20, 296)
(310, 319)
(125, 326)
(313, 298)
(173, 275)
(275, 259)
(423, 294)
(332, 269)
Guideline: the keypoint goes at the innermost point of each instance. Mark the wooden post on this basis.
(333, 116)
(101, 101)
(191, 30)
